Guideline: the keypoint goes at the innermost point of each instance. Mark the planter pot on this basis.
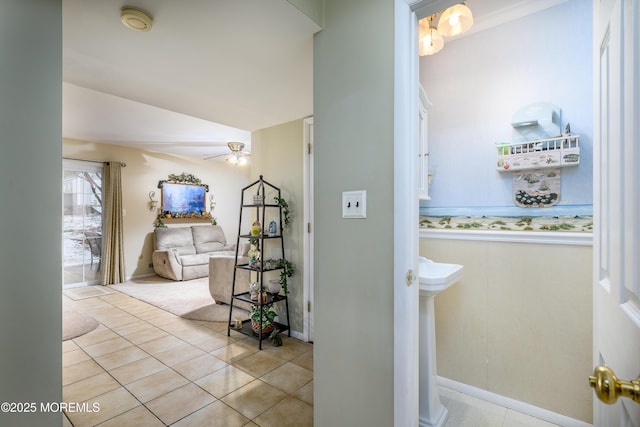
(267, 329)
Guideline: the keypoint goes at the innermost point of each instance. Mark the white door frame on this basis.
(308, 194)
(406, 205)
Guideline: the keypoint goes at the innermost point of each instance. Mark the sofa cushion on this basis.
(195, 259)
(179, 238)
(208, 238)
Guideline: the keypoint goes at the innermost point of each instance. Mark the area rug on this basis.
(189, 299)
(75, 323)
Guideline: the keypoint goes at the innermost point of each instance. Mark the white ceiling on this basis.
(208, 72)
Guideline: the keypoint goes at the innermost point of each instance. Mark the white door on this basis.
(616, 296)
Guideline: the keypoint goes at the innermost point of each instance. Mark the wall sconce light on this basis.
(153, 204)
(212, 204)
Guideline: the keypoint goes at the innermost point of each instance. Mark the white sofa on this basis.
(182, 253)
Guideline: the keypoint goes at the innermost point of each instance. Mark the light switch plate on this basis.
(354, 204)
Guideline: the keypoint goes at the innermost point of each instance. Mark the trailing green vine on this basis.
(285, 211)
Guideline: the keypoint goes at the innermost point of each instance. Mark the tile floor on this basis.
(144, 366)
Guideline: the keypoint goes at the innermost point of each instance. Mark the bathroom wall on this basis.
(477, 83)
(519, 323)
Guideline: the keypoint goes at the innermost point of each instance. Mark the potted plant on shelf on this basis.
(286, 272)
(262, 318)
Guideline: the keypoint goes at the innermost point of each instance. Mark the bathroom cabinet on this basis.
(254, 209)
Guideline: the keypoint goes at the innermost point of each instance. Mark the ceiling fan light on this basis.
(233, 159)
(455, 20)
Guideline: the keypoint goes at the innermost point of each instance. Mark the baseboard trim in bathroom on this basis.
(516, 405)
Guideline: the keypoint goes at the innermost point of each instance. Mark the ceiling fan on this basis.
(237, 155)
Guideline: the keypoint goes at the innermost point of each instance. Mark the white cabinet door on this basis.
(423, 147)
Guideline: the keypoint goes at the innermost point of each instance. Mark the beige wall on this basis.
(144, 170)
(276, 153)
(519, 323)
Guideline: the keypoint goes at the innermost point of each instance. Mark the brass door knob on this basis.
(608, 387)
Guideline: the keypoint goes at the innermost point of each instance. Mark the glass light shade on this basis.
(430, 41)
(455, 20)
(233, 159)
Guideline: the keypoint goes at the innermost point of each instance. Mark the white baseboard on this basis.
(513, 404)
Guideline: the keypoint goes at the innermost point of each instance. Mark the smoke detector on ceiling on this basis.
(136, 19)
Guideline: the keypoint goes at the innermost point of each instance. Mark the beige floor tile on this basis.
(179, 403)
(132, 328)
(74, 356)
(224, 381)
(178, 354)
(305, 393)
(305, 360)
(106, 347)
(288, 377)
(121, 357)
(80, 371)
(150, 334)
(136, 417)
(290, 348)
(69, 345)
(220, 327)
(65, 421)
(100, 334)
(89, 388)
(212, 342)
(235, 352)
(290, 412)
(111, 404)
(259, 363)
(217, 414)
(134, 371)
(161, 344)
(254, 398)
(157, 384)
(200, 366)
(119, 320)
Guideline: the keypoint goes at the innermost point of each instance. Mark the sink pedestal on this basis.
(434, 278)
(432, 411)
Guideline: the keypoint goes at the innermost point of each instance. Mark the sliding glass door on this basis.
(82, 223)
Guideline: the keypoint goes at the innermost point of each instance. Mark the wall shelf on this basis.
(554, 152)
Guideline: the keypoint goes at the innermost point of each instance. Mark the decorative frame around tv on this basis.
(183, 196)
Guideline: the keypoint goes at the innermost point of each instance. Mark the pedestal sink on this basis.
(434, 278)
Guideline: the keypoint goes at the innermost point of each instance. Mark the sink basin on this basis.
(435, 277)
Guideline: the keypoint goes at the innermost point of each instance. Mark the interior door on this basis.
(616, 283)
